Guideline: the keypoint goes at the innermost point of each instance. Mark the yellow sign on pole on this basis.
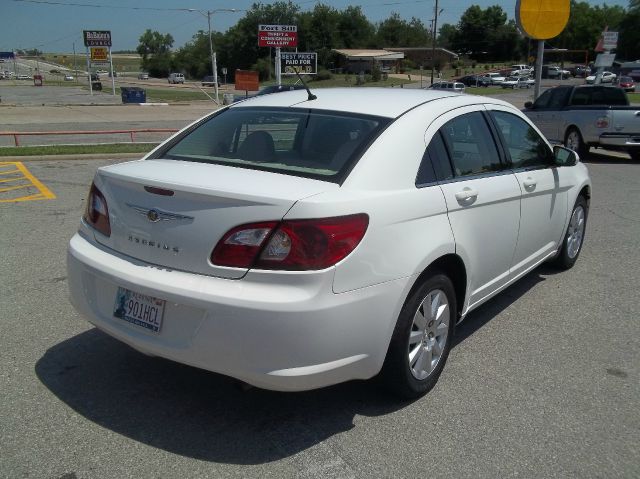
(99, 54)
(542, 19)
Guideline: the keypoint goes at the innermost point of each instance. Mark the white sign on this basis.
(604, 60)
(277, 28)
(609, 40)
(306, 63)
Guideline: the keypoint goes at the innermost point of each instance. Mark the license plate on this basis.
(139, 309)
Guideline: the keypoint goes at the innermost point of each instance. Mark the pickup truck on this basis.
(585, 116)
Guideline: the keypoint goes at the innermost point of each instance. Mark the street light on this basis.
(214, 63)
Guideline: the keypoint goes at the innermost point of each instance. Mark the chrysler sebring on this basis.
(293, 241)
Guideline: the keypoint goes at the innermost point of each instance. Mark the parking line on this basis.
(33, 183)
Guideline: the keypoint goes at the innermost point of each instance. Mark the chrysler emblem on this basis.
(154, 215)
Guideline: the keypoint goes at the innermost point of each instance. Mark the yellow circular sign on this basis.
(542, 19)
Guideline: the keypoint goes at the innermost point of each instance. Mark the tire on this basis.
(635, 155)
(411, 368)
(573, 140)
(574, 237)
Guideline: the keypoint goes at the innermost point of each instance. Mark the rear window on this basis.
(310, 143)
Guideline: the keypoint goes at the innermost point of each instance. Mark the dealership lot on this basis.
(543, 380)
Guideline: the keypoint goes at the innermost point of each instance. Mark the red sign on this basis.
(247, 80)
(277, 36)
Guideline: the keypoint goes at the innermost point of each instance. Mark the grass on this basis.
(634, 97)
(76, 149)
(121, 63)
(171, 95)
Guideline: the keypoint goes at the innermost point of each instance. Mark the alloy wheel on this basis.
(576, 232)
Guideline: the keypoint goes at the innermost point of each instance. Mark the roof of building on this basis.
(363, 54)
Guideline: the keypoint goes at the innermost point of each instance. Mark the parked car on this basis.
(521, 70)
(518, 82)
(176, 78)
(475, 80)
(295, 243)
(494, 78)
(23, 76)
(585, 116)
(143, 76)
(627, 84)
(607, 77)
(208, 81)
(552, 71)
(457, 87)
(68, 77)
(580, 71)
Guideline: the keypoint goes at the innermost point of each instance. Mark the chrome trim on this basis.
(154, 214)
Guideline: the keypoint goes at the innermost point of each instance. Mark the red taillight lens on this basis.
(97, 212)
(292, 245)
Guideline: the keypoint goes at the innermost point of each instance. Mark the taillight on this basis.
(292, 244)
(602, 122)
(97, 212)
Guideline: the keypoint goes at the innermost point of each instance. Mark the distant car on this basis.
(475, 80)
(143, 76)
(627, 84)
(176, 78)
(580, 71)
(552, 71)
(23, 76)
(607, 77)
(100, 72)
(68, 78)
(521, 69)
(494, 78)
(208, 81)
(518, 82)
(457, 87)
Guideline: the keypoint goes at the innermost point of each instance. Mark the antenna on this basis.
(311, 95)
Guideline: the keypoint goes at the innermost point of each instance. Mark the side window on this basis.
(526, 148)
(435, 164)
(543, 100)
(558, 96)
(471, 146)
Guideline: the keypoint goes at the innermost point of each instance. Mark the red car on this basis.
(627, 84)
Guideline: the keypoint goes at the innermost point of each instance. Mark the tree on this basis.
(354, 29)
(155, 50)
(447, 36)
(629, 39)
(397, 32)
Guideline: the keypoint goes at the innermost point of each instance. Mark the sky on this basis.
(54, 25)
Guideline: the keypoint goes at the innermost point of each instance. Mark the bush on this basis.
(323, 75)
(376, 74)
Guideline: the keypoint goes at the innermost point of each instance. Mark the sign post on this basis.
(97, 40)
(278, 36)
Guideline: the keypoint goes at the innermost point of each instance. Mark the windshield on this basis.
(316, 144)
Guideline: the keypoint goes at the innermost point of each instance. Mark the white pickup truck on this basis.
(585, 116)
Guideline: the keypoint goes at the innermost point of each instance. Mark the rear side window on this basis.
(615, 96)
(317, 144)
(471, 146)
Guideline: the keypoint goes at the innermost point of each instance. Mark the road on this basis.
(543, 380)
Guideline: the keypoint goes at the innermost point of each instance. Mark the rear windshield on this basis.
(309, 143)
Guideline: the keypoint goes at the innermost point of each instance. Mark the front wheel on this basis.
(422, 337)
(574, 237)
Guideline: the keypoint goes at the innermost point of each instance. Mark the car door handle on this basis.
(466, 194)
(529, 183)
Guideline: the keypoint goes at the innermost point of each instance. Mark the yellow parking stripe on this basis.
(43, 193)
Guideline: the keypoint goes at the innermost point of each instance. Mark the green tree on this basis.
(397, 32)
(354, 29)
(447, 36)
(629, 36)
(155, 50)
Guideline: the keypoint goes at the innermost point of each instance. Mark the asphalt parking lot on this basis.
(544, 380)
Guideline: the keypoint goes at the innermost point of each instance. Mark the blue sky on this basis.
(53, 28)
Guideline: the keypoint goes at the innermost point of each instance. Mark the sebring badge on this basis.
(154, 215)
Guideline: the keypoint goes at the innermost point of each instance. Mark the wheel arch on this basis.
(453, 266)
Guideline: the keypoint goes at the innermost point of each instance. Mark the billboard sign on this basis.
(247, 80)
(306, 63)
(96, 38)
(277, 36)
(99, 54)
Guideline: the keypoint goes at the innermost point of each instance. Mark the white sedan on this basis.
(295, 241)
(607, 77)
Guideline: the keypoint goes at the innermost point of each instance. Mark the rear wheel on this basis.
(573, 239)
(635, 155)
(573, 140)
(421, 339)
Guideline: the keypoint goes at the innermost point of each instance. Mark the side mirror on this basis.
(528, 105)
(564, 156)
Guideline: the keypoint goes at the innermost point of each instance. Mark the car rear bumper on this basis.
(623, 141)
(281, 331)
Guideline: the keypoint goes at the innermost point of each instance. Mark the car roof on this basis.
(384, 102)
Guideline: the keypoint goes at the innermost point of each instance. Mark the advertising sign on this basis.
(247, 80)
(99, 54)
(277, 36)
(96, 38)
(609, 40)
(302, 62)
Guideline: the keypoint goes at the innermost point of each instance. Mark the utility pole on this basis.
(75, 68)
(433, 42)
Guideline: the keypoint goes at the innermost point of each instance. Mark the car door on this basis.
(483, 198)
(543, 207)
